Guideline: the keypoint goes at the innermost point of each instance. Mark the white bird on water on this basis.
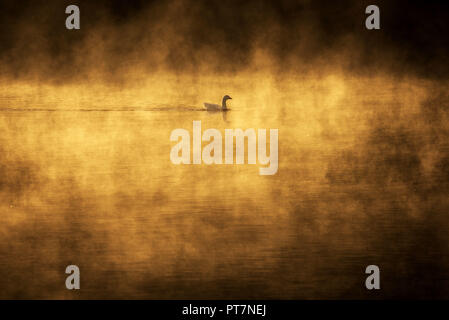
(217, 107)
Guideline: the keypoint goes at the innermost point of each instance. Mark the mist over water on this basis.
(85, 170)
(86, 179)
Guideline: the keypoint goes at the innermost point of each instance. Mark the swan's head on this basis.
(226, 97)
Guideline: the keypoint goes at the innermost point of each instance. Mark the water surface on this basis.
(86, 179)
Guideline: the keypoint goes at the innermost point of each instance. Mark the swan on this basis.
(217, 107)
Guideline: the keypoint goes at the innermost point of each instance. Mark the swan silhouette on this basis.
(217, 107)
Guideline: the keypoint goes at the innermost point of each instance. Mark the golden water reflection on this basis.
(86, 179)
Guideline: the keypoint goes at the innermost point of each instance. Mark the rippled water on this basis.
(362, 180)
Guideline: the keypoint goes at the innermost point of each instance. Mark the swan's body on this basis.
(212, 106)
(217, 107)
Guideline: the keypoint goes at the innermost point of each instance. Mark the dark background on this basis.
(412, 40)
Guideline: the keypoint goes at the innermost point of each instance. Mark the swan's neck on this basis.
(223, 104)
